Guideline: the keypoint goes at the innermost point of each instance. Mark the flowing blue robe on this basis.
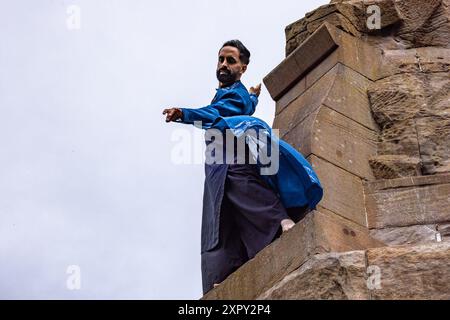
(296, 183)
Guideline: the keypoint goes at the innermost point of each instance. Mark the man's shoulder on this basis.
(239, 86)
(237, 89)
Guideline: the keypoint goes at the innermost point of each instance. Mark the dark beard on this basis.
(227, 79)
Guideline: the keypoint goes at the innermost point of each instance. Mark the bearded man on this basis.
(244, 211)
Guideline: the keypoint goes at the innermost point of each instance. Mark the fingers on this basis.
(173, 114)
(256, 90)
(169, 116)
(169, 113)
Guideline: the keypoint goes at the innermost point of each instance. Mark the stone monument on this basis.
(364, 95)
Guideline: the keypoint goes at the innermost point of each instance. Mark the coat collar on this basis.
(233, 86)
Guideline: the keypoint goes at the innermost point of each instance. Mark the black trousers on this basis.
(250, 218)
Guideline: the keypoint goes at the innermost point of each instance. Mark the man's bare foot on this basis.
(287, 225)
(216, 285)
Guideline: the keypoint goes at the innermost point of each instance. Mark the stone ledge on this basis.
(318, 232)
(329, 276)
(404, 272)
(315, 49)
(412, 272)
(352, 52)
(413, 235)
(339, 88)
(407, 182)
(408, 201)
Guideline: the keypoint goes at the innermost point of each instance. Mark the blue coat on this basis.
(295, 182)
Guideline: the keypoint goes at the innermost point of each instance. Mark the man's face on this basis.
(229, 67)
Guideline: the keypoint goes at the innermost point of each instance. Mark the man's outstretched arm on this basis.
(231, 104)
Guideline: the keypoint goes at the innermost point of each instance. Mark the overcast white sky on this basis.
(86, 176)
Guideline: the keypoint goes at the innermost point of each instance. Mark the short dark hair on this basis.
(244, 54)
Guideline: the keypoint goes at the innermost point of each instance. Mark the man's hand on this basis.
(173, 114)
(255, 90)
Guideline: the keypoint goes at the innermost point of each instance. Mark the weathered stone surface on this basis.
(321, 120)
(408, 201)
(428, 26)
(343, 193)
(444, 230)
(296, 41)
(396, 98)
(354, 52)
(400, 138)
(413, 235)
(322, 69)
(295, 28)
(270, 265)
(434, 143)
(349, 16)
(413, 18)
(359, 14)
(335, 89)
(344, 142)
(348, 96)
(361, 60)
(301, 136)
(336, 234)
(403, 24)
(388, 11)
(301, 61)
(319, 232)
(388, 273)
(420, 272)
(336, 19)
(395, 166)
(337, 276)
(357, 54)
(332, 136)
(291, 95)
(413, 112)
(417, 60)
(373, 186)
(300, 108)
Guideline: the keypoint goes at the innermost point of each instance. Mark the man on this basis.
(242, 212)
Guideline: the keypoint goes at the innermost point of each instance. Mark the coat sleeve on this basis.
(254, 101)
(231, 104)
